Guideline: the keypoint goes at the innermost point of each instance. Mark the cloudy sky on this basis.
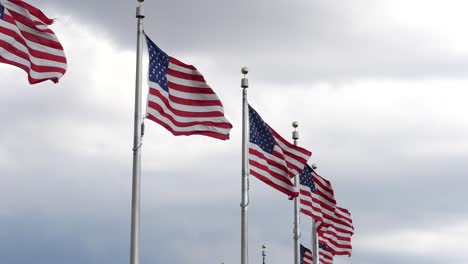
(379, 89)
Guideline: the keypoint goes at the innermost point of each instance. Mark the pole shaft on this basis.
(314, 250)
(245, 179)
(297, 232)
(135, 229)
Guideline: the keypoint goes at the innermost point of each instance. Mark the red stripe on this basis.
(185, 76)
(28, 22)
(26, 69)
(33, 52)
(290, 145)
(279, 177)
(177, 112)
(338, 248)
(269, 161)
(189, 133)
(191, 102)
(33, 10)
(190, 89)
(293, 169)
(42, 40)
(160, 110)
(322, 197)
(269, 182)
(181, 64)
(340, 239)
(34, 38)
(37, 68)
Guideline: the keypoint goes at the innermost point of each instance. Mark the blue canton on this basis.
(323, 246)
(2, 11)
(260, 133)
(305, 178)
(159, 61)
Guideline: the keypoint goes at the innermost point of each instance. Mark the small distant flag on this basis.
(27, 42)
(325, 256)
(180, 100)
(338, 234)
(306, 255)
(316, 197)
(272, 159)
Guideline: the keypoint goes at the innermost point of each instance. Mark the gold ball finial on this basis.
(245, 70)
(295, 124)
(141, 1)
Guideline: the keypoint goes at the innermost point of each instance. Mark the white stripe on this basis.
(290, 159)
(36, 32)
(327, 191)
(29, 16)
(331, 232)
(342, 244)
(22, 11)
(270, 168)
(34, 60)
(344, 227)
(269, 157)
(344, 216)
(179, 68)
(181, 107)
(197, 128)
(32, 44)
(193, 96)
(338, 249)
(182, 119)
(273, 180)
(293, 151)
(36, 75)
(185, 82)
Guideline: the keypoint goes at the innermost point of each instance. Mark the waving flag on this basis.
(272, 159)
(325, 255)
(306, 255)
(27, 42)
(338, 234)
(180, 100)
(316, 196)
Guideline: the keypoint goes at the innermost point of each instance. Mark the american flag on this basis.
(272, 159)
(180, 100)
(325, 255)
(27, 42)
(316, 196)
(338, 234)
(306, 255)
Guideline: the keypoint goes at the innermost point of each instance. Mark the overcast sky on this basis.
(379, 89)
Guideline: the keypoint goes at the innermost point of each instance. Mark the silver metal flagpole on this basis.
(245, 169)
(314, 247)
(135, 232)
(315, 256)
(297, 232)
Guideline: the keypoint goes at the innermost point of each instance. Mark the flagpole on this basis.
(245, 169)
(135, 229)
(314, 239)
(297, 232)
(314, 250)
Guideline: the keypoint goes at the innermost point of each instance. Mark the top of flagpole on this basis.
(295, 134)
(245, 81)
(139, 10)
